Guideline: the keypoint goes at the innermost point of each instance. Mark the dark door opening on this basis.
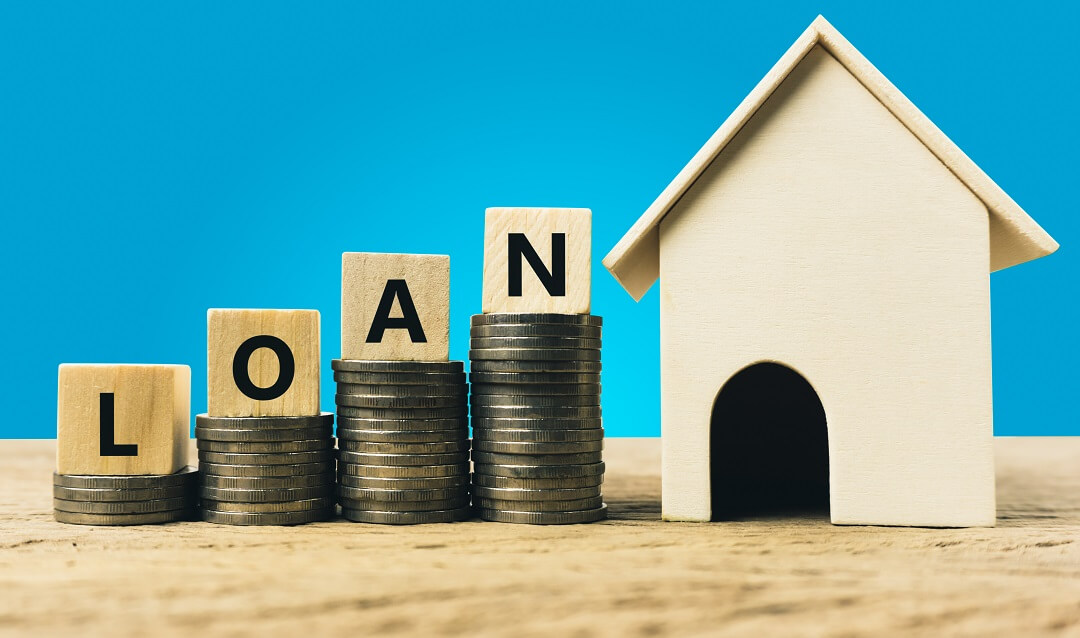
(769, 446)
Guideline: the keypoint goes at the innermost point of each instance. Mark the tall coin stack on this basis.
(403, 441)
(537, 429)
(125, 500)
(268, 470)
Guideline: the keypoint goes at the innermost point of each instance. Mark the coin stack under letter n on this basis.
(403, 441)
(535, 405)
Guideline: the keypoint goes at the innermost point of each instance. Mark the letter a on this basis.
(410, 320)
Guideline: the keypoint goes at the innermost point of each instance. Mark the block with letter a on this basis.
(537, 260)
(262, 362)
(114, 419)
(395, 307)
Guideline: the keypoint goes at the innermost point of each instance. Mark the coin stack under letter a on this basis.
(535, 405)
(403, 441)
(265, 451)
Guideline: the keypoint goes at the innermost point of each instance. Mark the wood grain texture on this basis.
(538, 225)
(1014, 236)
(829, 239)
(227, 329)
(632, 575)
(150, 410)
(364, 278)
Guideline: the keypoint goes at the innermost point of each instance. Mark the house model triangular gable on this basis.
(1015, 237)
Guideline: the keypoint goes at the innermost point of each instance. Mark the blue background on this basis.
(158, 159)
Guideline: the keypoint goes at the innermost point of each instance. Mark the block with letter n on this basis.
(114, 419)
(537, 260)
(395, 307)
(262, 362)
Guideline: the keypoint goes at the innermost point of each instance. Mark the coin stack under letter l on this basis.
(403, 442)
(537, 429)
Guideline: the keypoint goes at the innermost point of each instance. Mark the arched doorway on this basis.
(769, 446)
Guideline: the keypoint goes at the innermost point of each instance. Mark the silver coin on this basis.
(576, 343)
(539, 506)
(389, 402)
(110, 495)
(405, 436)
(460, 481)
(440, 447)
(405, 506)
(534, 401)
(532, 423)
(533, 354)
(544, 518)
(124, 507)
(185, 476)
(353, 365)
(518, 494)
(302, 505)
(321, 420)
(403, 390)
(265, 447)
(445, 379)
(567, 483)
(518, 447)
(591, 390)
(320, 479)
(212, 434)
(538, 412)
(449, 458)
(269, 458)
(396, 425)
(377, 494)
(534, 378)
(407, 518)
(579, 458)
(539, 471)
(519, 366)
(266, 495)
(403, 471)
(221, 469)
(455, 412)
(535, 317)
(151, 518)
(535, 330)
(267, 518)
(536, 436)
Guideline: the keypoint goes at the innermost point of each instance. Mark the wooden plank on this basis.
(521, 270)
(395, 307)
(262, 362)
(122, 419)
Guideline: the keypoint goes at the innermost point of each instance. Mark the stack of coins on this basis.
(270, 470)
(125, 500)
(537, 431)
(403, 439)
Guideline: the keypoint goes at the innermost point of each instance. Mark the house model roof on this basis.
(1014, 236)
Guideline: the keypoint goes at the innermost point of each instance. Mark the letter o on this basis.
(286, 367)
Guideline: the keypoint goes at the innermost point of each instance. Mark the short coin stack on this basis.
(271, 470)
(403, 440)
(125, 500)
(537, 430)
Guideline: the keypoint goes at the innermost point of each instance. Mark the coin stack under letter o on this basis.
(125, 500)
(266, 470)
(403, 441)
(535, 405)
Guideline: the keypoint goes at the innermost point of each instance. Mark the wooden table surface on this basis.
(630, 576)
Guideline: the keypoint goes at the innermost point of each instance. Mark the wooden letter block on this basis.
(122, 419)
(262, 362)
(395, 307)
(537, 260)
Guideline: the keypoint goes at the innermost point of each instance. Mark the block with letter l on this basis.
(115, 419)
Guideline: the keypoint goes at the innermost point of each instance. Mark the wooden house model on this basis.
(825, 304)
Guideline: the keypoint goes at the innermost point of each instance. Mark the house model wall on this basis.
(828, 226)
